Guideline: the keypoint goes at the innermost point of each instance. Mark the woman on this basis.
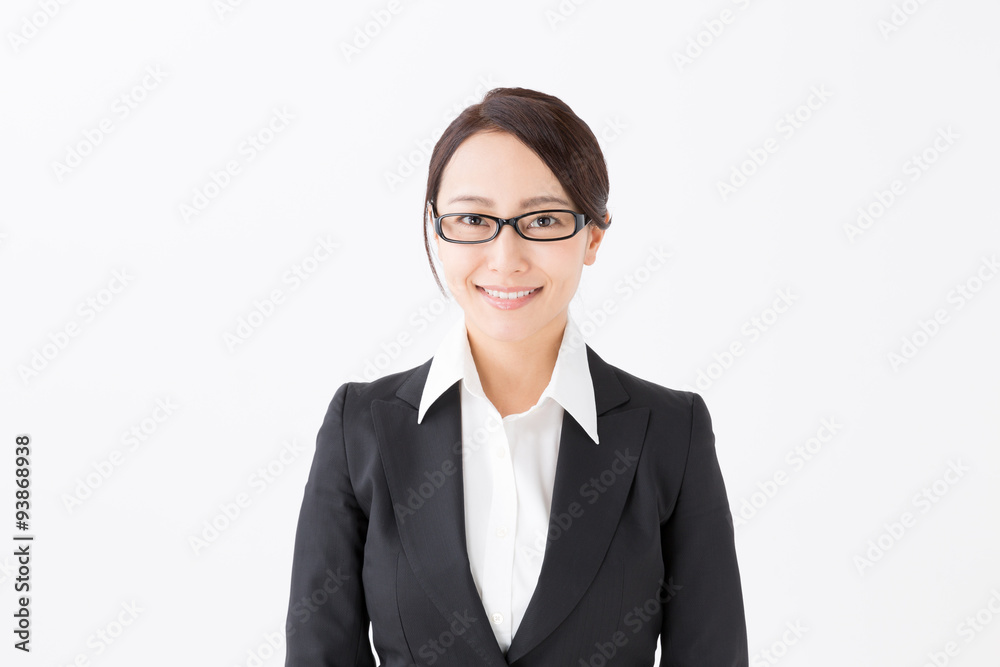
(515, 500)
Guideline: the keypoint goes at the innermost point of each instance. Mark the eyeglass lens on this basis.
(539, 225)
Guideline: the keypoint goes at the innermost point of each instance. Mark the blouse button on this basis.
(497, 618)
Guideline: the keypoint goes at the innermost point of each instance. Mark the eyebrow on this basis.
(526, 203)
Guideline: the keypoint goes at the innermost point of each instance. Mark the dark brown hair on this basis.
(547, 126)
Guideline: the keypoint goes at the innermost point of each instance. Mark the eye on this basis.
(544, 221)
(471, 220)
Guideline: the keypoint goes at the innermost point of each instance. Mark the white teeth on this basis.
(507, 295)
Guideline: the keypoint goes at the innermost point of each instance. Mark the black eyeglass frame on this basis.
(580, 218)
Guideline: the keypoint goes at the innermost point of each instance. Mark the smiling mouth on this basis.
(498, 294)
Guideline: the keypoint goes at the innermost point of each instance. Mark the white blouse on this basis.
(509, 472)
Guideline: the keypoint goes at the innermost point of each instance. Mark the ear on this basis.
(435, 240)
(595, 235)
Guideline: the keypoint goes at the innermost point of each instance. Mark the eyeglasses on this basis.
(548, 225)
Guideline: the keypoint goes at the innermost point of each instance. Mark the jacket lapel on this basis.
(575, 548)
(423, 468)
(432, 532)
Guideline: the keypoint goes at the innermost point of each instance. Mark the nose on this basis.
(507, 249)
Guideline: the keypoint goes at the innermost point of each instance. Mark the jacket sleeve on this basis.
(703, 616)
(327, 622)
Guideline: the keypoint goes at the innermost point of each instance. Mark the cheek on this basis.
(566, 265)
(457, 266)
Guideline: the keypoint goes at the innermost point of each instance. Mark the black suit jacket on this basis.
(640, 545)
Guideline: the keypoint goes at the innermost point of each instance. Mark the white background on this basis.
(350, 169)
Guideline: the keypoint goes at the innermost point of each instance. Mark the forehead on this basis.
(498, 166)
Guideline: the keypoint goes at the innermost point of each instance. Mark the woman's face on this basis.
(495, 174)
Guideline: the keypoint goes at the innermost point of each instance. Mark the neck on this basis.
(515, 373)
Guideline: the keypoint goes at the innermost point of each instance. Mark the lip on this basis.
(504, 288)
(508, 304)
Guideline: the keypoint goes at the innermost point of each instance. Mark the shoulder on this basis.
(661, 399)
(360, 393)
(350, 410)
(677, 418)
